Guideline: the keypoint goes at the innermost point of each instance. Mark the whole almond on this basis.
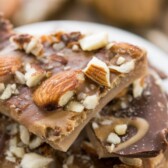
(58, 89)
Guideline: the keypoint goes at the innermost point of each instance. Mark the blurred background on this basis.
(147, 18)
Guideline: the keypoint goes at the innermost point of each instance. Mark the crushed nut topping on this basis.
(123, 68)
(35, 143)
(95, 125)
(124, 104)
(28, 43)
(94, 41)
(34, 75)
(11, 159)
(121, 129)
(75, 47)
(24, 135)
(58, 46)
(113, 138)
(120, 60)
(2, 87)
(65, 98)
(91, 102)
(138, 87)
(18, 147)
(75, 106)
(8, 91)
(33, 160)
(20, 78)
(17, 151)
(98, 71)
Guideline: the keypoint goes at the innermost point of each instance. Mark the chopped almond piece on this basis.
(124, 68)
(75, 106)
(94, 41)
(98, 71)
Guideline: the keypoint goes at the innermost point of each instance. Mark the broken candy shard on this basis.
(146, 118)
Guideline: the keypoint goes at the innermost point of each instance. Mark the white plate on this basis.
(157, 57)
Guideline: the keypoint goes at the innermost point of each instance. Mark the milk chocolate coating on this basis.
(151, 106)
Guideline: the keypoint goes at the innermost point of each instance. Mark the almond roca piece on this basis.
(54, 84)
(82, 154)
(20, 148)
(135, 123)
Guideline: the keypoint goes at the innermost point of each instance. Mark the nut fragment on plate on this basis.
(98, 71)
(58, 89)
(33, 75)
(123, 68)
(94, 41)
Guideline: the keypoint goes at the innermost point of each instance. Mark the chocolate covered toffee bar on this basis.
(135, 123)
(21, 149)
(54, 84)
